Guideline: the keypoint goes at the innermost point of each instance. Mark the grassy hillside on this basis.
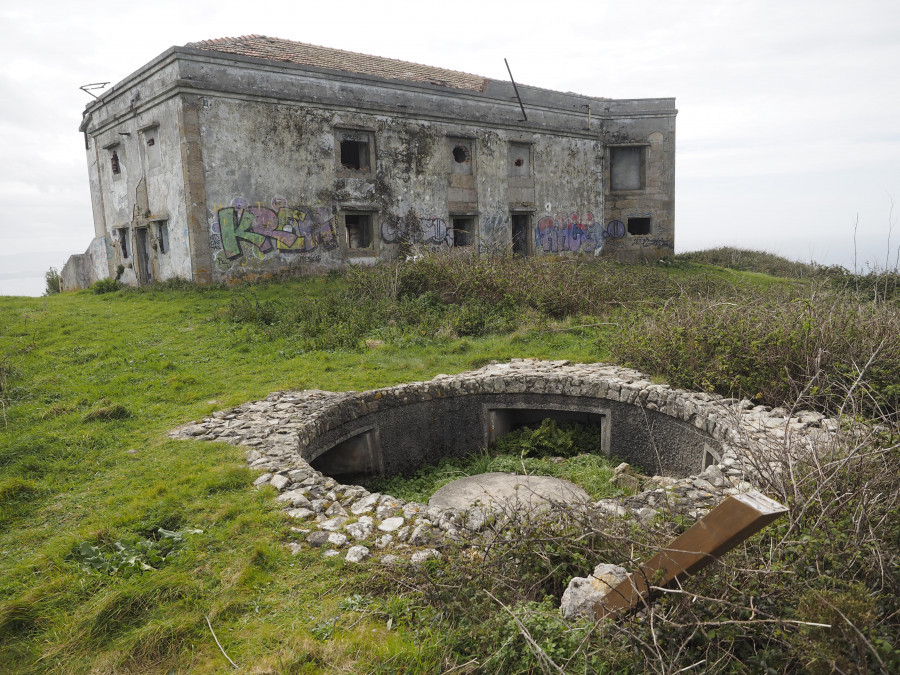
(90, 383)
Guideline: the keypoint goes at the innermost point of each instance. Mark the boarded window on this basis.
(626, 170)
(151, 148)
(463, 231)
(461, 156)
(639, 226)
(359, 231)
(519, 160)
(114, 163)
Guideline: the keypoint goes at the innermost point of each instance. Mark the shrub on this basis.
(775, 349)
(106, 286)
(52, 279)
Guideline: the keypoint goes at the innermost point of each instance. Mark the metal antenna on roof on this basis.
(516, 89)
(88, 88)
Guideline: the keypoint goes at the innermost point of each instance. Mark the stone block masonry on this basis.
(737, 444)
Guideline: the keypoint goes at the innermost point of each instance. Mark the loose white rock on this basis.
(391, 524)
(357, 554)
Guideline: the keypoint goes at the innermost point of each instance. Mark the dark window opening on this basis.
(355, 155)
(359, 230)
(639, 226)
(114, 162)
(460, 154)
(151, 142)
(463, 231)
(519, 161)
(163, 235)
(123, 241)
(626, 168)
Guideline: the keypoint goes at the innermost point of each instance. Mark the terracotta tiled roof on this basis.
(275, 49)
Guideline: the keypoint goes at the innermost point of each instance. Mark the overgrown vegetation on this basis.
(565, 450)
(90, 383)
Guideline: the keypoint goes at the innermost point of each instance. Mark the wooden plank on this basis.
(737, 518)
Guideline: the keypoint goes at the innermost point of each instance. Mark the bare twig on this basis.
(544, 660)
(233, 664)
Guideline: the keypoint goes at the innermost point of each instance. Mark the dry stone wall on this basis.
(284, 432)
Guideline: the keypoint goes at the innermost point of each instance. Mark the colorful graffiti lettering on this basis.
(575, 233)
(428, 231)
(283, 228)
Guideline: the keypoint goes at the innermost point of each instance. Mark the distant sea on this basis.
(32, 286)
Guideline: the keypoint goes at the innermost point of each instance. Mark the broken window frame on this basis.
(364, 139)
(124, 236)
(470, 233)
(370, 247)
(162, 236)
(641, 150)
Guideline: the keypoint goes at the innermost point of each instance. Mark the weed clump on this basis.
(113, 411)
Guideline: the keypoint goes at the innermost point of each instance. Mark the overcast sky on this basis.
(787, 131)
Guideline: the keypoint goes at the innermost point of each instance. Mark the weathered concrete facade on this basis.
(242, 157)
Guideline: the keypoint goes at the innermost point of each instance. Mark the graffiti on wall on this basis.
(575, 232)
(423, 231)
(241, 229)
(651, 242)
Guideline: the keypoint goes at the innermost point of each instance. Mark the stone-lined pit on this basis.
(700, 443)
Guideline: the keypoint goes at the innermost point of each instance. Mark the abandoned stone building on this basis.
(240, 157)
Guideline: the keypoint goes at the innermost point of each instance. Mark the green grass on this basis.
(93, 383)
(90, 384)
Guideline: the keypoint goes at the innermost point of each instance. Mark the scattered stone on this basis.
(359, 530)
(583, 593)
(301, 514)
(335, 510)
(419, 557)
(391, 524)
(263, 479)
(357, 554)
(295, 547)
(317, 538)
(337, 539)
(625, 481)
(365, 504)
(279, 482)
(333, 525)
(391, 559)
(330, 553)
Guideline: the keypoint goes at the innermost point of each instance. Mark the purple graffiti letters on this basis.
(575, 232)
(283, 228)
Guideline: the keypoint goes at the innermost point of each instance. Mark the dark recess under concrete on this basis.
(403, 438)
